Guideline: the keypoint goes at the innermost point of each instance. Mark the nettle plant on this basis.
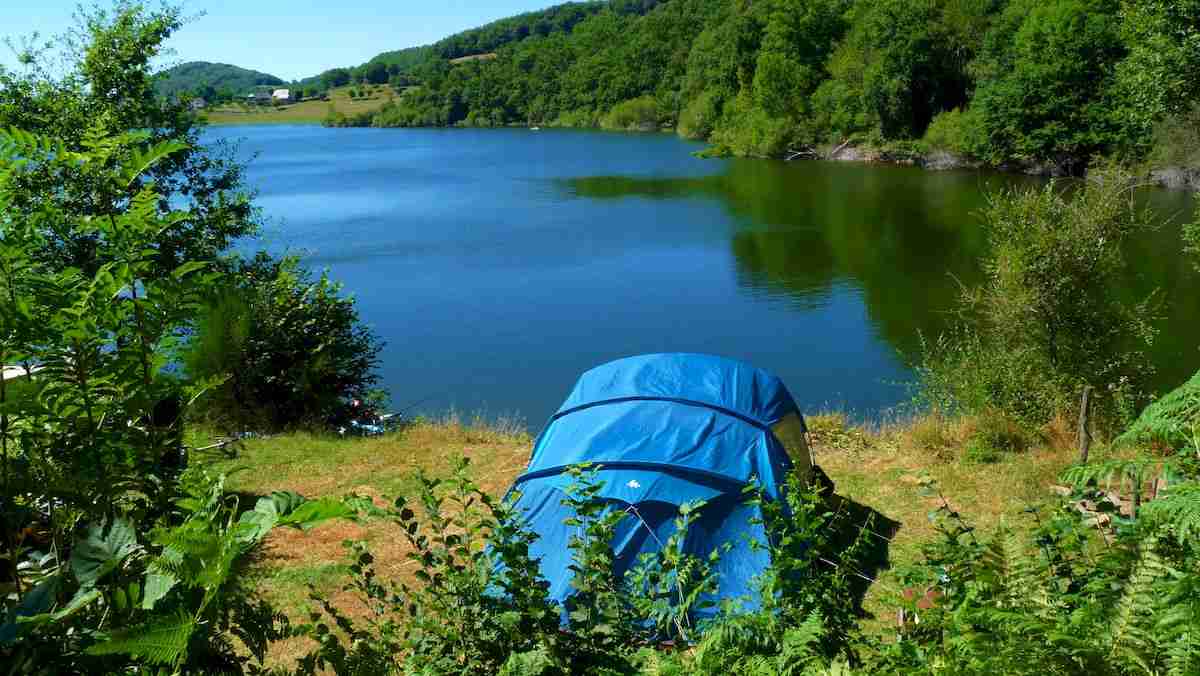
(480, 606)
(114, 557)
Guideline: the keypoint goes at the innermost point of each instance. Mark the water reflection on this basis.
(907, 241)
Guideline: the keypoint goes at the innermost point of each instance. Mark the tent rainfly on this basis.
(664, 430)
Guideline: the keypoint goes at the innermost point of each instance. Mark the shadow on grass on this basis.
(852, 519)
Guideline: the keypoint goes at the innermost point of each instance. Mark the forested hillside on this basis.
(399, 66)
(1052, 83)
(212, 81)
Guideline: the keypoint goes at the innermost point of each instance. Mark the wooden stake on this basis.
(1085, 439)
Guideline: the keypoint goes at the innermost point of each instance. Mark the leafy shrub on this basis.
(576, 118)
(291, 350)
(994, 438)
(1172, 421)
(1046, 322)
(749, 131)
(701, 115)
(953, 130)
(1046, 75)
(1191, 238)
(633, 115)
(1177, 141)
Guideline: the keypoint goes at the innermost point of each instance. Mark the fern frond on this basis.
(1180, 627)
(1108, 472)
(1178, 507)
(143, 160)
(161, 640)
(1013, 574)
(1173, 419)
(801, 646)
(1132, 633)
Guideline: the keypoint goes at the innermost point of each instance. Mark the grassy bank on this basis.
(304, 112)
(879, 468)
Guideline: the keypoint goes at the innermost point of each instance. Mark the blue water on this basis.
(500, 264)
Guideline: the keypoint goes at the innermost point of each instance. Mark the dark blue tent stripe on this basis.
(673, 400)
(664, 467)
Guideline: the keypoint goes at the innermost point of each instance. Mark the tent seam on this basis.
(760, 424)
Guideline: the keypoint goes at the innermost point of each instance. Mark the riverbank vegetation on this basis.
(970, 539)
(1042, 86)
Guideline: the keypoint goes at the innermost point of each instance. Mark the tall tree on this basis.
(107, 90)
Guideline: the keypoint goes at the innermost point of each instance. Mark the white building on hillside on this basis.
(282, 95)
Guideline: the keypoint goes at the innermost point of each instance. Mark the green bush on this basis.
(290, 349)
(995, 437)
(701, 116)
(1177, 141)
(749, 131)
(953, 130)
(638, 114)
(1046, 79)
(582, 119)
(1047, 322)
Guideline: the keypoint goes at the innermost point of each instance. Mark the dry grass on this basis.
(304, 111)
(381, 467)
(882, 469)
(878, 467)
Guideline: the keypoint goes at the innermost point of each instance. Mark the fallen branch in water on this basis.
(801, 153)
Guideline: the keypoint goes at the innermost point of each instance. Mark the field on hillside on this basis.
(877, 471)
(312, 111)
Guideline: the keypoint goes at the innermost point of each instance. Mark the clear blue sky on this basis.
(288, 38)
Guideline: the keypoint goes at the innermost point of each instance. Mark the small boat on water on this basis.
(535, 129)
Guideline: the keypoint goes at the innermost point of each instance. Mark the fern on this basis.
(1015, 575)
(160, 640)
(1179, 625)
(801, 647)
(1179, 509)
(1131, 635)
(1173, 419)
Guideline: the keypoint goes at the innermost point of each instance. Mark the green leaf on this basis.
(314, 512)
(188, 268)
(158, 585)
(100, 552)
(160, 640)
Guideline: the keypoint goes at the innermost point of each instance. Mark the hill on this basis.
(406, 66)
(213, 81)
(411, 65)
(1002, 83)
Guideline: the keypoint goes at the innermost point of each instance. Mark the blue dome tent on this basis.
(664, 430)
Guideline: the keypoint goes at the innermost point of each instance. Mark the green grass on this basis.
(304, 112)
(877, 468)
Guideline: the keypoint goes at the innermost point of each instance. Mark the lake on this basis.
(500, 264)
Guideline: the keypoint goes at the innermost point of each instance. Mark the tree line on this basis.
(1044, 84)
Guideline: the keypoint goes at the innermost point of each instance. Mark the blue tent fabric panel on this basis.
(725, 518)
(734, 522)
(708, 379)
(540, 504)
(677, 437)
